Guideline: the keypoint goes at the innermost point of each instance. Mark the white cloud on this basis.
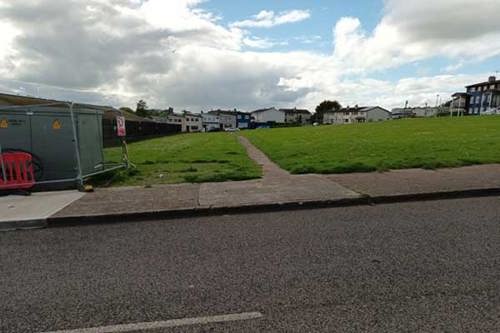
(258, 43)
(173, 53)
(269, 19)
(416, 30)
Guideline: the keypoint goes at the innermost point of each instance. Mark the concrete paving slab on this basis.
(302, 188)
(271, 172)
(125, 200)
(19, 212)
(416, 181)
(276, 186)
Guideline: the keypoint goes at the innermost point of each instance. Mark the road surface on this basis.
(428, 266)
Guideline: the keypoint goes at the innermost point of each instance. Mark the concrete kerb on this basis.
(23, 225)
(262, 208)
(30, 212)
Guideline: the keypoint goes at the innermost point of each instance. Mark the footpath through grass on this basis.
(397, 144)
(194, 158)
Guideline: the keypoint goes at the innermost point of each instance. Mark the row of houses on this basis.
(356, 114)
(282, 116)
(220, 120)
(217, 120)
(481, 98)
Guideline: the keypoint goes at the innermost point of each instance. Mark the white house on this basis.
(227, 118)
(211, 122)
(297, 116)
(191, 122)
(419, 112)
(174, 119)
(271, 115)
(356, 115)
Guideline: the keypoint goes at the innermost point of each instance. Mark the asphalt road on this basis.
(415, 267)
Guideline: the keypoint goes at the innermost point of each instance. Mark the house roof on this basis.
(292, 111)
(224, 112)
(191, 114)
(411, 108)
(486, 83)
(264, 110)
(460, 94)
(359, 108)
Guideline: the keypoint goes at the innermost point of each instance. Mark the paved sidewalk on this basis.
(419, 181)
(18, 211)
(276, 186)
(277, 189)
(129, 200)
(271, 172)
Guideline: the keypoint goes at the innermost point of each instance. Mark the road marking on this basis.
(164, 324)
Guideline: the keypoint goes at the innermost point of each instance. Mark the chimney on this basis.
(492, 79)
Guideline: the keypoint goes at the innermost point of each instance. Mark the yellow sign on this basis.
(56, 124)
(4, 123)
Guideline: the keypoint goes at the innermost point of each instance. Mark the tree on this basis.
(324, 107)
(142, 109)
(126, 109)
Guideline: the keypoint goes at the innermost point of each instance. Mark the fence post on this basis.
(79, 177)
(4, 174)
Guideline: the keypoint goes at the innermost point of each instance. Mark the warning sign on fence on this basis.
(56, 124)
(4, 123)
(120, 126)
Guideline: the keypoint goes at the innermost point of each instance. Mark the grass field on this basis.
(203, 157)
(397, 144)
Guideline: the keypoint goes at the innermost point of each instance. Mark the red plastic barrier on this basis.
(16, 171)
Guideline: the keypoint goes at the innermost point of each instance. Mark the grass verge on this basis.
(398, 144)
(193, 158)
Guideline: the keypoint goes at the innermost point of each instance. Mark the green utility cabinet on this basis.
(47, 132)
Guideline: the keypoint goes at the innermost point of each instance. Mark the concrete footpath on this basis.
(277, 190)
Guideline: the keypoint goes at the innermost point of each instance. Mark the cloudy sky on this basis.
(198, 55)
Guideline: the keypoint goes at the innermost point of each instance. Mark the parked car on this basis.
(232, 129)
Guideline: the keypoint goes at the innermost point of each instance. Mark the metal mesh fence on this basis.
(65, 141)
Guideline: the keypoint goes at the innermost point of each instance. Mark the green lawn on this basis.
(397, 144)
(202, 157)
